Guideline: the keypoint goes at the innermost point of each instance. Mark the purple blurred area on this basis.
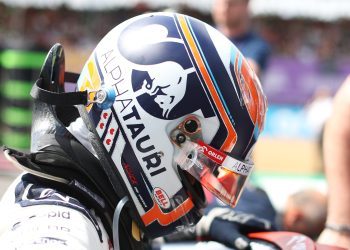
(290, 80)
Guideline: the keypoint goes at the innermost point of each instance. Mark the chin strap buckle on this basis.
(103, 97)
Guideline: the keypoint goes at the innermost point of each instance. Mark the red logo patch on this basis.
(161, 198)
(212, 153)
(128, 170)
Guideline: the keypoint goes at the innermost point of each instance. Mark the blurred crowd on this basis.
(307, 38)
(41, 28)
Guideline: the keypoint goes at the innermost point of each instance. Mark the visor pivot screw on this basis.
(180, 138)
(105, 97)
(101, 96)
(191, 126)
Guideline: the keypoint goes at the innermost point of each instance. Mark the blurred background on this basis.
(310, 43)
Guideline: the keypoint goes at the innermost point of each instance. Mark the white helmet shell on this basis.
(161, 69)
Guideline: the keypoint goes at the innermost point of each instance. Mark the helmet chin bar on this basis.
(221, 174)
(189, 129)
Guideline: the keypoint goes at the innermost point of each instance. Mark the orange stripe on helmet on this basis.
(232, 136)
(155, 213)
(244, 74)
(247, 81)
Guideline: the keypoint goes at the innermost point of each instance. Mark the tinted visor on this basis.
(218, 172)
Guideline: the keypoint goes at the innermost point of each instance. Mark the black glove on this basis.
(229, 227)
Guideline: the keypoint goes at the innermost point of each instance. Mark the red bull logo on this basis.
(163, 75)
(167, 83)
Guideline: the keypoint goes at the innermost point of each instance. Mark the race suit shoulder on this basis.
(34, 215)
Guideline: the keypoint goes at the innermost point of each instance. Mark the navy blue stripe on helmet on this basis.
(243, 124)
(222, 131)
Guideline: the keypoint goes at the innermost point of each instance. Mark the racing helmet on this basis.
(171, 106)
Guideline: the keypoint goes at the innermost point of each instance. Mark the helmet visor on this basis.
(218, 172)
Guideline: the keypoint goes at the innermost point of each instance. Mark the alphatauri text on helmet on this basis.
(152, 160)
(128, 111)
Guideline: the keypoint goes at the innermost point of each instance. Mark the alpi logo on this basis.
(163, 76)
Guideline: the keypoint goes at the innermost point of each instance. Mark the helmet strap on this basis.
(116, 217)
(38, 92)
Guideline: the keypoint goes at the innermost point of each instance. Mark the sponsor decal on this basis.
(29, 194)
(241, 168)
(161, 198)
(129, 172)
(224, 160)
(212, 153)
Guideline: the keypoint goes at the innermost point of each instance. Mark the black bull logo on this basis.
(162, 68)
